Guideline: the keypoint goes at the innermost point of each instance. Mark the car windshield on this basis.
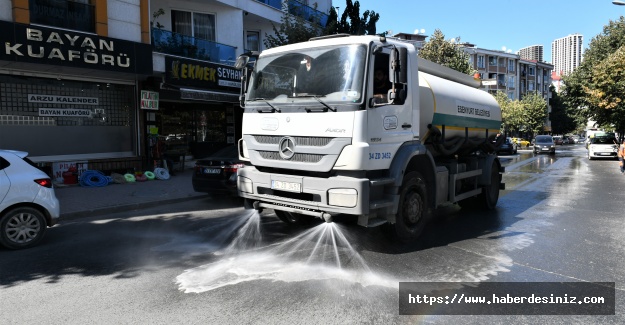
(332, 74)
(603, 140)
(544, 139)
(508, 141)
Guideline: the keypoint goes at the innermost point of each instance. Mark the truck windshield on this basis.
(332, 74)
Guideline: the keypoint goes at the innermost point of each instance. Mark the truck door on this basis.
(389, 125)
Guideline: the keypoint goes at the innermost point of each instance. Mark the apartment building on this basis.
(566, 53)
(196, 43)
(497, 68)
(507, 72)
(535, 77)
(533, 52)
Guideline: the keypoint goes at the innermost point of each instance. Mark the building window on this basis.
(531, 71)
(75, 15)
(511, 95)
(492, 60)
(511, 65)
(252, 41)
(480, 61)
(511, 81)
(530, 86)
(194, 24)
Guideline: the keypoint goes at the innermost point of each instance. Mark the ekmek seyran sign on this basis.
(37, 44)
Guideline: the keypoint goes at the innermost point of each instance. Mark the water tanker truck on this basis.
(321, 137)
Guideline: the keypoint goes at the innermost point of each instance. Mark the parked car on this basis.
(507, 147)
(521, 143)
(558, 140)
(544, 143)
(28, 204)
(217, 173)
(578, 139)
(602, 147)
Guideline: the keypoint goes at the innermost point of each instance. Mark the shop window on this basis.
(75, 15)
(104, 123)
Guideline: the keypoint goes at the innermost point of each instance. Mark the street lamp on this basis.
(618, 3)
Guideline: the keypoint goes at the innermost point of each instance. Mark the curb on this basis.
(124, 207)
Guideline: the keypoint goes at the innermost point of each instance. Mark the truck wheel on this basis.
(490, 194)
(293, 218)
(412, 213)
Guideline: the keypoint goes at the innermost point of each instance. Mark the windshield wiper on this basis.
(272, 110)
(327, 107)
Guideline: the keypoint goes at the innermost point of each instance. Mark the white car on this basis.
(602, 147)
(28, 204)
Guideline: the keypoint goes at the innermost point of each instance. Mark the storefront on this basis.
(198, 110)
(71, 98)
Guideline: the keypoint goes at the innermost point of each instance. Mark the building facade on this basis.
(534, 52)
(99, 84)
(511, 74)
(566, 53)
(69, 72)
(195, 45)
(497, 69)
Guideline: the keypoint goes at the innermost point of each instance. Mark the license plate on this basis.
(545, 149)
(286, 186)
(212, 171)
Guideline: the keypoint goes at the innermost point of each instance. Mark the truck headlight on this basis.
(245, 184)
(343, 197)
(243, 152)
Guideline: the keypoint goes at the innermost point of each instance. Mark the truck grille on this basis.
(300, 141)
(298, 157)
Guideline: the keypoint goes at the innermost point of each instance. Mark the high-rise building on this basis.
(534, 52)
(566, 53)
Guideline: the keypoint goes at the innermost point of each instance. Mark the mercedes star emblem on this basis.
(287, 147)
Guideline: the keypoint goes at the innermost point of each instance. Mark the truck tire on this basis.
(412, 213)
(490, 194)
(293, 218)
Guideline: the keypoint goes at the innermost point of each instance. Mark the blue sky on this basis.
(495, 24)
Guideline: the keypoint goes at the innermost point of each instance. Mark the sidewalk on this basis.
(77, 201)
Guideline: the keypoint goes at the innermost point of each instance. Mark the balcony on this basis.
(63, 14)
(272, 3)
(299, 9)
(172, 43)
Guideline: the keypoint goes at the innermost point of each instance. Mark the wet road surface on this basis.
(210, 261)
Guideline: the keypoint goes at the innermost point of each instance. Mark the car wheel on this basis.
(22, 227)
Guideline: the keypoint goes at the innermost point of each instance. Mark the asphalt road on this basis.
(212, 262)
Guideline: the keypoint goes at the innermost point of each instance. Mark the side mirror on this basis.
(242, 61)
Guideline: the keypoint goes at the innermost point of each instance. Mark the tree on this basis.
(597, 85)
(295, 29)
(512, 114)
(535, 109)
(357, 25)
(446, 52)
(563, 118)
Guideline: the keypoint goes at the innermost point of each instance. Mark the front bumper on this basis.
(302, 194)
